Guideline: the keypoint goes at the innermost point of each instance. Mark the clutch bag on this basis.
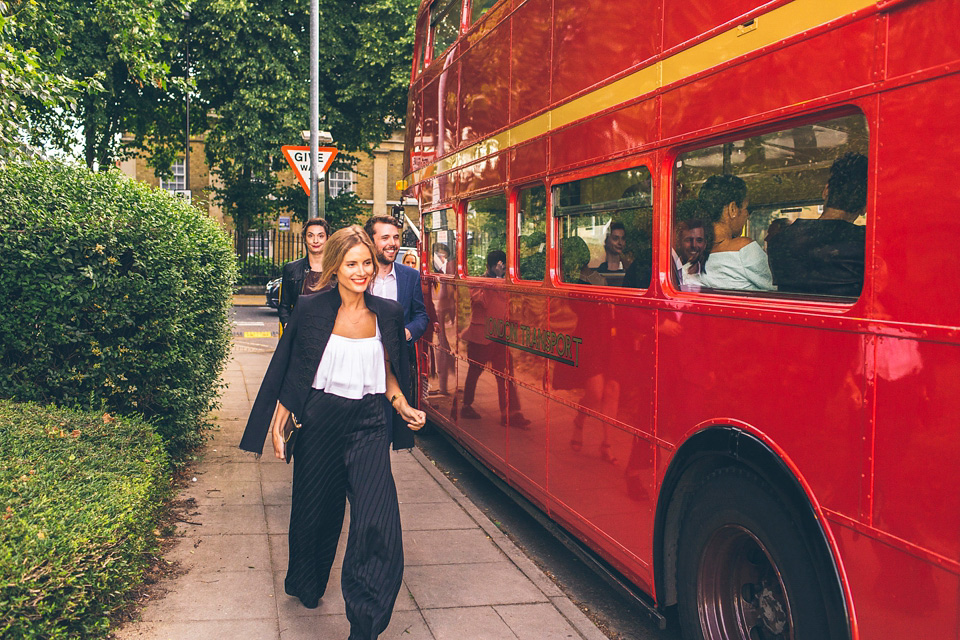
(290, 429)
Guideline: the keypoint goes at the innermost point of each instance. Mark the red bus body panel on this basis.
(868, 423)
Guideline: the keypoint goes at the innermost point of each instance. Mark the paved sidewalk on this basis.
(463, 578)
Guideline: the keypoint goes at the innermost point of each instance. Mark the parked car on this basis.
(273, 293)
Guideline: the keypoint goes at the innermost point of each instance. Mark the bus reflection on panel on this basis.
(689, 273)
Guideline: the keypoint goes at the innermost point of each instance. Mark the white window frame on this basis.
(179, 179)
(339, 182)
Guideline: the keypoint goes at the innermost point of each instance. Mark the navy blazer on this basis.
(410, 297)
(294, 364)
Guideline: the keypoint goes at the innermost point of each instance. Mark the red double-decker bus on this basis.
(689, 271)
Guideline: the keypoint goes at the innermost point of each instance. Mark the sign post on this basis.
(299, 159)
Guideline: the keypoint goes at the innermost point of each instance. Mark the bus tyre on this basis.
(744, 571)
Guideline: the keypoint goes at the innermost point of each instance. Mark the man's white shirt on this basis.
(385, 287)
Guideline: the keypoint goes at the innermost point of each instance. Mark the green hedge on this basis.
(115, 296)
(80, 497)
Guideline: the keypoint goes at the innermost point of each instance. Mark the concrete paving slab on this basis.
(207, 491)
(279, 472)
(475, 623)
(278, 518)
(408, 625)
(421, 491)
(405, 600)
(223, 552)
(277, 493)
(456, 546)
(470, 585)
(224, 595)
(212, 519)
(202, 630)
(230, 471)
(219, 454)
(434, 516)
(536, 622)
(329, 627)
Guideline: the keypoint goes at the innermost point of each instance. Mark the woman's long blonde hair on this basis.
(336, 249)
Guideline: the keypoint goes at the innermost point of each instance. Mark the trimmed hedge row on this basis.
(80, 494)
(115, 297)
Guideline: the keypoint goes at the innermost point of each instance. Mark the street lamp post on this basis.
(317, 204)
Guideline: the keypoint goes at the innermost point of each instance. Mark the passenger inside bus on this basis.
(614, 244)
(690, 246)
(735, 262)
(825, 256)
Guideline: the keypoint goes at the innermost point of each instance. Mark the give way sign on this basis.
(299, 159)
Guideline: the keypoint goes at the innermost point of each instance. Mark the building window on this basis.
(340, 182)
(178, 181)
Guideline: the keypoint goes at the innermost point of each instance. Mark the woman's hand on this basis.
(414, 418)
(280, 415)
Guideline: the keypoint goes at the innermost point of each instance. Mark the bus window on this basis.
(478, 8)
(606, 225)
(486, 232)
(783, 211)
(444, 24)
(440, 228)
(421, 45)
(532, 224)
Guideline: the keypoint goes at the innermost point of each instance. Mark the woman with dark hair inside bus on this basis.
(735, 262)
(341, 351)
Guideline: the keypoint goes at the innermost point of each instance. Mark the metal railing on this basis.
(262, 254)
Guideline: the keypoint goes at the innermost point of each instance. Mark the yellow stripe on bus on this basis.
(766, 29)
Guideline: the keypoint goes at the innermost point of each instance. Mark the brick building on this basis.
(374, 179)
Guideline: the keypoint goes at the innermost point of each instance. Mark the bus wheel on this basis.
(744, 571)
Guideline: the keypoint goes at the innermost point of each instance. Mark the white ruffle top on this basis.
(352, 367)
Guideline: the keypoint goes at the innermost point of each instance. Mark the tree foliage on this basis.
(248, 77)
(25, 78)
(253, 73)
(123, 52)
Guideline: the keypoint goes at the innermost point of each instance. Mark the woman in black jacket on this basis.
(301, 276)
(341, 352)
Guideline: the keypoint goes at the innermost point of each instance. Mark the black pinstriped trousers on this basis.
(343, 451)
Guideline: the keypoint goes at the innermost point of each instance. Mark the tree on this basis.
(252, 72)
(123, 52)
(24, 78)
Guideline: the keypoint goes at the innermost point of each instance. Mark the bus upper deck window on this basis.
(444, 24)
(440, 230)
(486, 233)
(779, 212)
(421, 46)
(532, 227)
(606, 229)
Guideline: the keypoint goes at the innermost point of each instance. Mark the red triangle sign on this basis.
(299, 159)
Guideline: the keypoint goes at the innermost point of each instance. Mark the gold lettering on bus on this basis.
(536, 340)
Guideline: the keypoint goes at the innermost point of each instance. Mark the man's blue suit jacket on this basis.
(410, 297)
